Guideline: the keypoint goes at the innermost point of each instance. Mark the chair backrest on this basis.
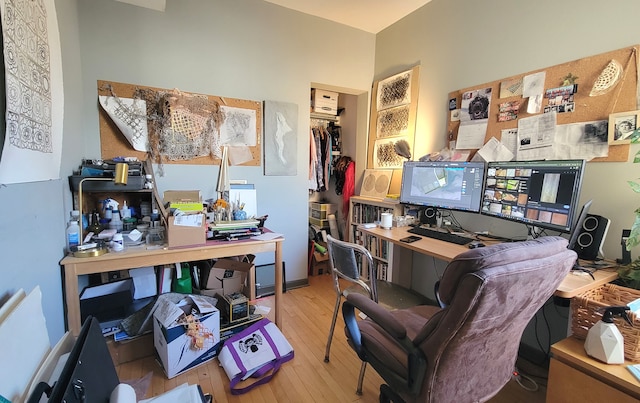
(491, 294)
(347, 259)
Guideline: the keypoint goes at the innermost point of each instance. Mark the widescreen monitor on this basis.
(447, 185)
(537, 193)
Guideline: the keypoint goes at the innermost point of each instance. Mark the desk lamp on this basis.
(120, 178)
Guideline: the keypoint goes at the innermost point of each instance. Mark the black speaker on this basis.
(429, 216)
(591, 237)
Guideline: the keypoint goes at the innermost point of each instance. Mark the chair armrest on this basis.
(378, 314)
(417, 362)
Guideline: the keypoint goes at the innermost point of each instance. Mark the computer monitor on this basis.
(538, 193)
(448, 185)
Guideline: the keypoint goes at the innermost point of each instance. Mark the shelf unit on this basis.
(368, 210)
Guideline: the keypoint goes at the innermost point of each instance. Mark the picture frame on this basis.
(623, 127)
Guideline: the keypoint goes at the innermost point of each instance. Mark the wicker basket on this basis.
(585, 313)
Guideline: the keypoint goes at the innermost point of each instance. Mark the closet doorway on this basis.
(347, 133)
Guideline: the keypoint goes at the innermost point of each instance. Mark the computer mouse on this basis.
(474, 245)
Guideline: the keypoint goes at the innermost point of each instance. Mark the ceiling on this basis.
(368, 15)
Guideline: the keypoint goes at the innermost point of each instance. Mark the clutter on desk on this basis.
(107, 169)
(588, 308)
(117, 216)
(403, 220)
(187, 223)
(604, 341)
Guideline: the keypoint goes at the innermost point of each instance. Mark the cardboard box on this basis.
(324, 101)
(185, 200)
(107, 301)
(175, 347)
(186, 235)
(186, 230)
(182, 196)
(228, 276)
(234, 306)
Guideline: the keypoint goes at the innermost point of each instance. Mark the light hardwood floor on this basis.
(307, 378)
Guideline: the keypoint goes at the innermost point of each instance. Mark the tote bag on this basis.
(256, 352)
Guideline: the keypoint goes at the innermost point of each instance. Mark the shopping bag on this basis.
(257, 352)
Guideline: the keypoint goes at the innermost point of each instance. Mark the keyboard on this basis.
(441, 235)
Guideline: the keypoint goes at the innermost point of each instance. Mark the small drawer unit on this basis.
(319, 213)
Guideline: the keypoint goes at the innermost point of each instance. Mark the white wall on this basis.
(33, 215)
(246, 49)
(461, 43)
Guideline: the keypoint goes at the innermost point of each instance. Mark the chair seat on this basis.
(393, 296)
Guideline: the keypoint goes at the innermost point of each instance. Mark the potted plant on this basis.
(630, 274)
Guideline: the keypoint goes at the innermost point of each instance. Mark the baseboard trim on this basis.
(289, 285)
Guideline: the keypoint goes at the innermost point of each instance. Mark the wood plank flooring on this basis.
(307, 378)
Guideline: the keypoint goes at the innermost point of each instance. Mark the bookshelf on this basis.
(368, 210)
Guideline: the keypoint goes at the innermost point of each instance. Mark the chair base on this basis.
(387, 395)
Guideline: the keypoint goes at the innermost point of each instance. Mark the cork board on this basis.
(622, 98)
(114, 144)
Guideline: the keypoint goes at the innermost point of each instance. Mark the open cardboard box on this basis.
(174, 346)
(184, 230)
(228, 276)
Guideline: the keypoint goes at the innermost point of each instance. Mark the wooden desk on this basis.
(572, 285)
(139, 257)
(576, 377)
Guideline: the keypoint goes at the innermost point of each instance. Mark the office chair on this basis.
(467, 350)
(346, 260)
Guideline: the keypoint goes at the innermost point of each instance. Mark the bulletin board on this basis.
(114, 144)
(622, 97)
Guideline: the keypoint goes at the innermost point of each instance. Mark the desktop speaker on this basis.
(429, 216)
(591, 237)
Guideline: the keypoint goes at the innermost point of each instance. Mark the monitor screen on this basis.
(539, 193)
(443, 184)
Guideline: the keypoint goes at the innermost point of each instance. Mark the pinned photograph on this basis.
(622, 127)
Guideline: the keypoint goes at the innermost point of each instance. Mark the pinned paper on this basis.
(493, 150)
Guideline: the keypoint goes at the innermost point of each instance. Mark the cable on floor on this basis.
(524, 381)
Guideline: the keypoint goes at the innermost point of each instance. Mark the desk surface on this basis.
(572, 285)
(140, 257)
(571, 351)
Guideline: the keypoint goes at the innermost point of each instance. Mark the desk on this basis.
(139, 257)
(576, 377)
(571, 286)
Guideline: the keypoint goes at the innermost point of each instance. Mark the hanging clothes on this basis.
(348, 189)
(313, 162)
(320, 149)
(320, 158)
(339, 169)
